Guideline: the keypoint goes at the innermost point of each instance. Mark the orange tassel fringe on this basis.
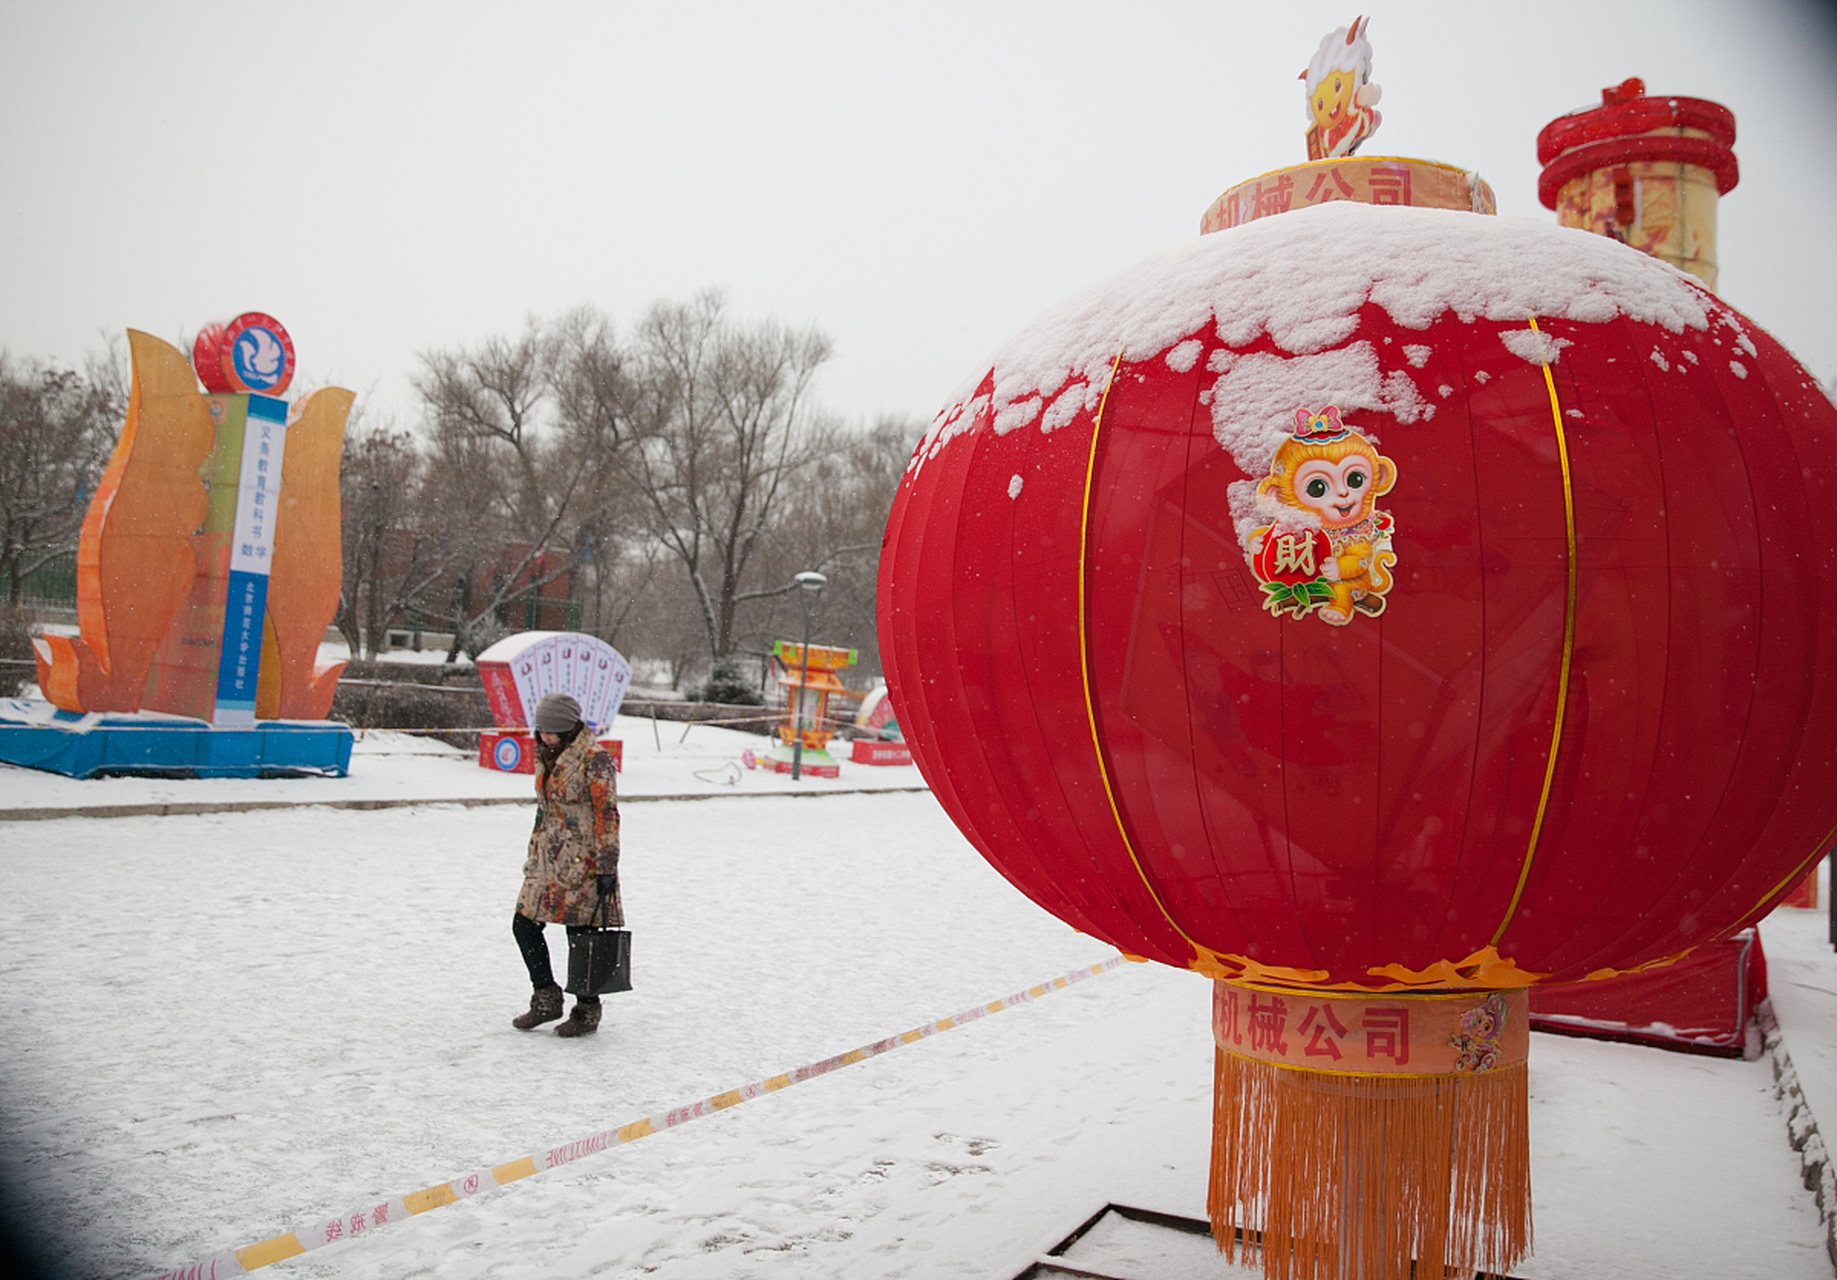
(1370, 1177)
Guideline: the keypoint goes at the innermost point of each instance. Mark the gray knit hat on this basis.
(556, 713)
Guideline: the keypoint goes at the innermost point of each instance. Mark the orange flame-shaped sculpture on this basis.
(153, 556)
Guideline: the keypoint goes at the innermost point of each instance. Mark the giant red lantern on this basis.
(1370, 607)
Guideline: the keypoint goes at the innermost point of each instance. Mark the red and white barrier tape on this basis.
(362, 1221)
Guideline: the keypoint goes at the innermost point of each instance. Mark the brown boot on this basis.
(544, 1006)
(584, 1021)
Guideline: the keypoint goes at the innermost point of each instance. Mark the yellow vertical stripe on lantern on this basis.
(1084, 665)
(1562, 681)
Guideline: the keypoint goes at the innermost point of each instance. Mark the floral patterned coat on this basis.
(576, 838)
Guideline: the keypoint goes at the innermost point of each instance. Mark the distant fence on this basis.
(456, 713)
(50, 591)
(748, 719)
(43, 612)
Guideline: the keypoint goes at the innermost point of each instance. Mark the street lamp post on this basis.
(811, 584)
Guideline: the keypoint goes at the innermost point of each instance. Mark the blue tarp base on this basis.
(37, 735)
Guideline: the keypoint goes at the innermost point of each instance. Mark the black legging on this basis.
(535, 949)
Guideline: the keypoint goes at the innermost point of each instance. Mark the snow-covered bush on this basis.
(727, 684)
(373, 696)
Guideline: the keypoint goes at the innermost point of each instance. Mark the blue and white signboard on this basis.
(251, 548)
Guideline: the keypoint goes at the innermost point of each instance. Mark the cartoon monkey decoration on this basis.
(1328, 547)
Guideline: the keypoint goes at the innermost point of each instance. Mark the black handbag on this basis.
(599, 957)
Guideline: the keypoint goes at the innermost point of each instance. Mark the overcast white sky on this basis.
(917, 179)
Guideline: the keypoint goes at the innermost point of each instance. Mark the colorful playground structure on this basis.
(802, 739)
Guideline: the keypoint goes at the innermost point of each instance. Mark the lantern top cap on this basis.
(810, 580)
(1628, 89)
(1341, 107)
(1626, 109)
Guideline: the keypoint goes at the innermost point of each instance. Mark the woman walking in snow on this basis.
(573, 856)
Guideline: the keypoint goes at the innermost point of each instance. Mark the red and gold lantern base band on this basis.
(1394, 180)
(1369, 1135)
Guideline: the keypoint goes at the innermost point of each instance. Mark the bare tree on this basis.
(494, 393)
(57, 428)
(723, 426)
(596, 395)
(624, 587)
(571, 452)
(393, 555)
(833, 521)
(109, 371)
(498, 484)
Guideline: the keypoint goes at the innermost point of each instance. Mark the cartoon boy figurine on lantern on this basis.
(1329, 547)
(1341, 96)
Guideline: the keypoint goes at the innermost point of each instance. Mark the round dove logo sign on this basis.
(257, 354)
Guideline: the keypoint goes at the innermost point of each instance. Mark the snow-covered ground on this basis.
(219, 1028)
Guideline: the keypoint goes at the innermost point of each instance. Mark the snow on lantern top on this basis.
(1304, 282)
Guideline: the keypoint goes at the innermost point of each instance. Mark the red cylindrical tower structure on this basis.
(1646, 171)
